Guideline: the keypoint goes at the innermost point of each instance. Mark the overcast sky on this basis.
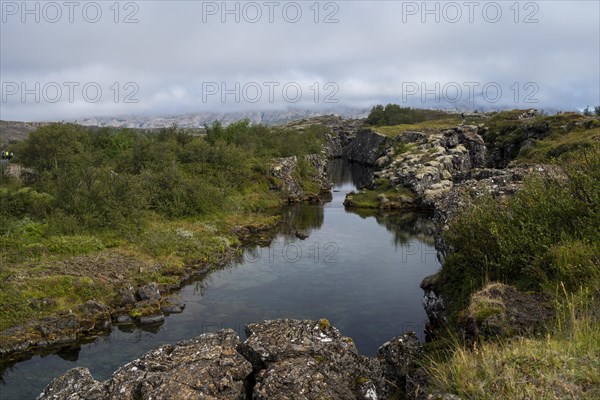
(65, 60)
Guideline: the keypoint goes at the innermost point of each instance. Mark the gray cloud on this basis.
(376, 52)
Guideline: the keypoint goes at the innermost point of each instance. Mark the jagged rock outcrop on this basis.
(282, 359)
(285, 178)
(433, 302)
(429, 163)
(500, 184)
(207, 367)
(307, 360)
(366, 147)
(397, 357)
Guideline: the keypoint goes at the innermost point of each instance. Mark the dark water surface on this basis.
(360, 270)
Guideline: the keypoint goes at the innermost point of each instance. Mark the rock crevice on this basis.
(281, 359)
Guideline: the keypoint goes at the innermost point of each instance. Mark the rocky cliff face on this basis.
(285, 177)
(283, 359)
(366, 147)
(440, 170)
(500, 184)
(429, 163)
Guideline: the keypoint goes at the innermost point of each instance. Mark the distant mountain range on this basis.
(11, 131)
(198, 120)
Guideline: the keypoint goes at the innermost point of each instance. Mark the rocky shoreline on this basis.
(280, 359)
(148, 305)
(440, 170)
(93, 319)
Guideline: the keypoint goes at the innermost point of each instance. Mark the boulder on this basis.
(149, 292)
(307, 360)
(397, 356)
(75, 384)
(155, 319)
(126, 295)
(499, 310)
(207, 367)
(282, 359)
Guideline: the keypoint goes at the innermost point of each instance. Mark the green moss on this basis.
(484, 311)
(562, 145)
(320, 359)
(324, 324)
(361, 380)
(370, 198)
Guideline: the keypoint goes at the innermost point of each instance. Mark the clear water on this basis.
(360, 270)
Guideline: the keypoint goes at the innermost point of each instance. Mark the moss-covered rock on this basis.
(501, 311)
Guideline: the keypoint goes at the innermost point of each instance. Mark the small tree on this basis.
(376, 116)
(597, 111)
(587, 111)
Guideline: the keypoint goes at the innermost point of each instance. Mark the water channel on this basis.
(359, 269)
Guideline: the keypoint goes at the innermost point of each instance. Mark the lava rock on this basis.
(126, 295)
(397, 356)
(149, 292)
(152, 319)
(207, 367)
(173, 309)
(282, 359)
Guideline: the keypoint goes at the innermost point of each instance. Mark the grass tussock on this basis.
(565, 364)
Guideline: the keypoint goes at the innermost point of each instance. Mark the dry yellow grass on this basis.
(563, 365)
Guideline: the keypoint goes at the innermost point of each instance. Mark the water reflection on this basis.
(359, 269)
(342, 172)
(404, 225)
(299, 220)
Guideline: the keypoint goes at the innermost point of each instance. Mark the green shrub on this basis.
(549, 232)
(25, 201)
(393, 114)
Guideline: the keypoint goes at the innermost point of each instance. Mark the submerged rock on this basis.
(155, 319)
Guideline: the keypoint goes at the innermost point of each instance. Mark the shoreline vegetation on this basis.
(521, 274)
(544, 243)
(97, 215)
(520, 282)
